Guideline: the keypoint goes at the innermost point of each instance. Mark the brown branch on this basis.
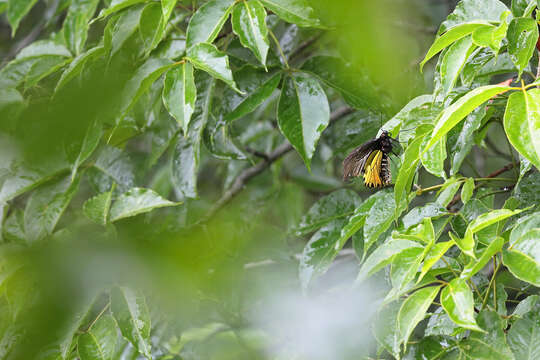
(249, 173)
(494, 174)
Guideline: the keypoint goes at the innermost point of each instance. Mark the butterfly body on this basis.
(371, 161)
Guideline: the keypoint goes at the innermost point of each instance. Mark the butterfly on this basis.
(371, 160)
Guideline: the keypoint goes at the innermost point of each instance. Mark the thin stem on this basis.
(279, 48)
(490, 283)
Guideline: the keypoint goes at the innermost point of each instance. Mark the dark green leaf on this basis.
(133, 318)
(76, 23)
(208, 58)
(294, 11)
(77, 65)
(205, 25)
(127, 24)
(488, 345)
(523, 258)
(99, 342)
(185, 168)
(249, 23)
(116, 164)
(16, 10)
(457, 300)
(117, 5)
(89, 144)
(151, 27)
(303, 113)
(137, 201)
(522, 35)
(180, 94)
(524, 336)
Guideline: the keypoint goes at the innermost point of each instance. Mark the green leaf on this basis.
(522, 258)
(524, 225)
(467, 190)
(413, 310)
(466, 244)
(524, 336)
(418, 213)
(303, 113)
(475, 266)
(379, 218)
(404, 268)
(184, 168)
(457, 300)
(433, 159)
(97, 207)
(137, 201)
(141, 81)
(319, 252)
(16, 10)
(450, 36)
(115, 6)
(208, 58)
(133, 318)
(456, 112)
(490, 218)
(180, 94)
(488, 345)
(116, 164)
(294, 11)
(99, 342)
(406, 174)
(386, 330)
(454, 60)
(338, 204)
(522, 35)
(75, 26)
(434, 254)
(151, 27)
(89, 144)
(383, 256)
(45, 207)
(205, 25)
(254, 98)
(77, 65)
(249, 23)
(473, 10)
(126, 25)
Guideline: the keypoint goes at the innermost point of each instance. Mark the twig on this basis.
(258, 168)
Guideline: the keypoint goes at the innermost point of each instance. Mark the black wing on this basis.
(353, 165)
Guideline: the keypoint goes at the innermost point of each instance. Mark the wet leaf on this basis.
(522, 35)
(205, 25)
(208, 58)
(294, 11)
(249, 23)
(180, 94)
(457, 300)
(137, 201)
(99, 342)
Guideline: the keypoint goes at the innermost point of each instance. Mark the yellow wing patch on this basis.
(372, 169)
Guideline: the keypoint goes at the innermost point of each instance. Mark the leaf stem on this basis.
(490, 282)
(278, 45)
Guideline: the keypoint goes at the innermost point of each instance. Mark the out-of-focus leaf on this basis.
(294, 11)
(208, 58)
(303, 113)
(125, 26)
(434, 254)
(522, 258)
(320, 252)
(519, 6)
(89, 144)
(472, 10)
(492, 343)
(180, 94)
(467, 190)
(524, 336)
(137, 201)
(522, 35)
(450, 36)
(379, 218)
(184, 168)
(205, 25)
(151, 27)
(339, 204)
(116, 164)
(99, 342)
(11, 105)
(383, 256)
(475, 266)
(457, 300)
(453, 114)
(386, 328)
(77, 65)
(13, 227)
(97, 207)
(249, 23)
(454, 60)
(133, 318)
(413, 310)
(219, 140)
(141, 81)
(16, 10)
(76, 23)
(117, 5)
(45, 207)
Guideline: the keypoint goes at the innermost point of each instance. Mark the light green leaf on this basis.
(180, 94)
(77, 65)
(141, 81)
(433, 159)
(205, 25)
(434, 254)
(467, 190)
(466, 243)
(133, 317)
(396, 122)
(454, 60)
(294, 11)
(97, 207)
(406, 174)
(447, 192)
(249, 23)
(475, 266)
(522, 258)
(457, 300)
(75, 26)
(379, 218)
(386, 330)
(524, 336)
(303, 113)
(151, 27)
(532, 101)
(137, 201)
(208, 58)
(16, 10)
(383, 256)
(413, 310)
(404, 268)
(450, 36)
(490, 218)
(522, 35)
(89, 144)
(46, 205)
(99, 342)
(524, 225)
(456, 112)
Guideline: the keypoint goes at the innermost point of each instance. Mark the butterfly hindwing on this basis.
(353, 165)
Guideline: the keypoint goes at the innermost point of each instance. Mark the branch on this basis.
(492, 175)
(249, 173)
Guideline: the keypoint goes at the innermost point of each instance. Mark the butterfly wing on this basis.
(354, 163)
(372, 169)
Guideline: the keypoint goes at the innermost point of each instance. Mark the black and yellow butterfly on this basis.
(371, 160)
